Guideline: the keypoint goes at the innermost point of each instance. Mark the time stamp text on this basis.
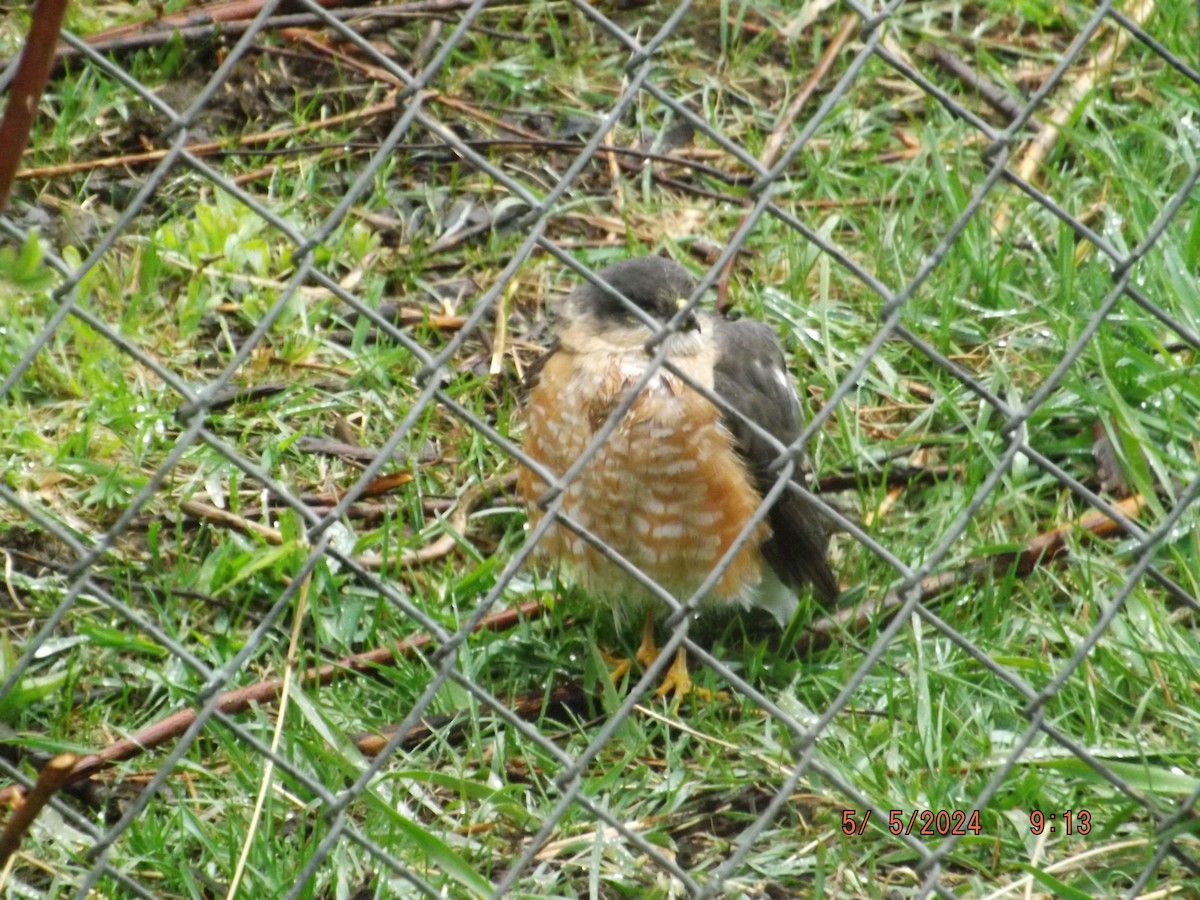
(946, 822)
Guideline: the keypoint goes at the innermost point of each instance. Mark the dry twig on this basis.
(210, 148)
(439, 548)
(1036, 553)
(53, 776)
(267, 691)
(778, 134)
(991, 93)
(1037, 150)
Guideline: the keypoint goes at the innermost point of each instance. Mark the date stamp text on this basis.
(923, 822)
(946, 822)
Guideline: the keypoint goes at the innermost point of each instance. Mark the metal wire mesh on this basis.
(883, 43)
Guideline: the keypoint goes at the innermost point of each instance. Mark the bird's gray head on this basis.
(656, 286)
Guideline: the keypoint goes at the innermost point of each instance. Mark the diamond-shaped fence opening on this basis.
(271, 282)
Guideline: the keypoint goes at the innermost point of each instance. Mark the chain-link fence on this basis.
(273, 279)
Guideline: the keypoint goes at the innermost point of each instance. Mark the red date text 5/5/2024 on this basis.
(925, 822)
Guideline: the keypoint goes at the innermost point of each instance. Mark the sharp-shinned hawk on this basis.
(677, 479)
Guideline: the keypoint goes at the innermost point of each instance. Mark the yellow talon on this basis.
(620, 665)
(677, 681)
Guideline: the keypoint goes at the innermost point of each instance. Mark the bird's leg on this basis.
(677, 681)
(648, 650)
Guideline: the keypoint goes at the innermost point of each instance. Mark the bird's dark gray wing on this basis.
(751, 376)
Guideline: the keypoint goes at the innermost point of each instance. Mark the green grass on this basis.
(84, 430)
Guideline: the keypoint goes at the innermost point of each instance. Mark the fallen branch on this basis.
(209, 148)
(445, 545)
(439, 548)
(1036, 151)
(53, 777)
(209, 14)
(571, 698)
(1036, 553)
(775, 139)
(234, 19)
(991, 93)
(241, 699)
(25, 93)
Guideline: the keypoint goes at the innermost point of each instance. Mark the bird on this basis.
(676, 480)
